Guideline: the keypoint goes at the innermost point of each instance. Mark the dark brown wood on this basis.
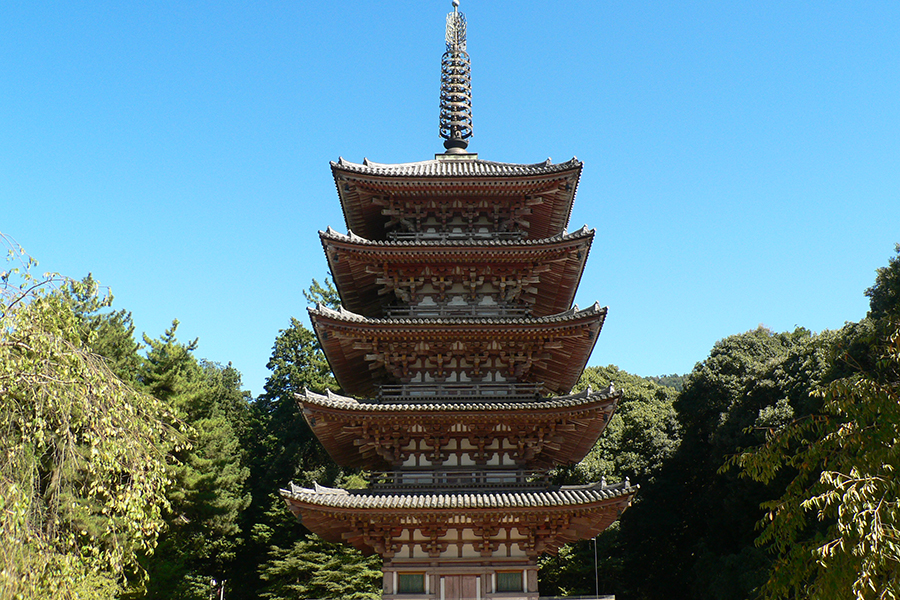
(542, 437)
(457, 280)
(541, 278)
(364, 354)
(537, 200)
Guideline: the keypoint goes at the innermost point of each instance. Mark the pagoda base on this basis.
(443, 544)
(489, 579)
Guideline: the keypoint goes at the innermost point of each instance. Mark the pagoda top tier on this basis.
(455, 193)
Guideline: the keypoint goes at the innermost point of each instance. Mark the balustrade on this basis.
(443, 236)
(403, 480)
(457, 311)
(462, 391)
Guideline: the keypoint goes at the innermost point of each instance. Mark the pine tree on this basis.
(313, 568)
(106, 332)
(282, 448)
(210, 476)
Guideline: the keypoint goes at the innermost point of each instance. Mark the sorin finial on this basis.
(456, 85)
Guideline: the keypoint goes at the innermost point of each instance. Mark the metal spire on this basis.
(456, 86)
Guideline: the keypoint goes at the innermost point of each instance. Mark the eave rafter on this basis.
(535, 523)
(539, 434)
(542, 274)
(536, 199)
(365, 353)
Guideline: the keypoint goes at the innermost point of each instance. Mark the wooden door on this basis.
(460, 587)
(469, 591)
(451, 587)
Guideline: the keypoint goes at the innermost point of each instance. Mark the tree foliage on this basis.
(691, 524)
(209, 478)
(834, 529)
(642, 434)
(289, 560)
(641, 437)
(322, 294)
(83, 454)
(108, 333)
(884, 295)
(313, 568)
(282, 448)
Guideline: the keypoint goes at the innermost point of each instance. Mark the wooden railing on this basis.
(450, 392)
(485, 479)
(459, 311)
(443, 236)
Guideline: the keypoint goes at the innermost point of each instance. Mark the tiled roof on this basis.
(572, 314)
(351, 237)
(336, 401)
(363, 270)
(469, 182)
(348, 340)
(563, 497)
(443, 167)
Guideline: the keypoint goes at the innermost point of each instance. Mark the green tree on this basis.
(106, 332)
(673, 381)
(834, 526)
(692, 525)
(277, 559)
(313, 568)
(884, 295)
(322, 294)
(836, 529)
(282, 442)
(209, 492)
(82, 454)
(642, 435)
(281, 448)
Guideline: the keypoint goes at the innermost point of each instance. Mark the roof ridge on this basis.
(563, 236)
(585, 397)
(567, 315)
(444, 167)
(461, 499)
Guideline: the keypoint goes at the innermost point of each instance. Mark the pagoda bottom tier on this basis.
(439, 545)
(463, 580)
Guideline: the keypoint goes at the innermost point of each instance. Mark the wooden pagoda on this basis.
(456, 347)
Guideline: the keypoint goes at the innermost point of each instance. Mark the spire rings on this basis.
(456, 85)
(456, 97)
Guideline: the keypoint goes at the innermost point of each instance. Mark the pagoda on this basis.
(456, 346)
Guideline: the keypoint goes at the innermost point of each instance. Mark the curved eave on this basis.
(578, 420)
(335, 515)
(356, 265)
(346, 339)
(471, 180)
(454, 168)
(340, 404)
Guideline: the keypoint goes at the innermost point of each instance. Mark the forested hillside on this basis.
(134, 469)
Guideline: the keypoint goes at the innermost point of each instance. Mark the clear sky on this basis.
(742, 159)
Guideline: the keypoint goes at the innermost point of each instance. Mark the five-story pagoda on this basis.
(455, 348)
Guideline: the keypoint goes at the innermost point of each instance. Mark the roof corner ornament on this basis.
(456, 86)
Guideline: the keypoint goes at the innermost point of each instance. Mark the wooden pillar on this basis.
(531, 580)
(387, 582)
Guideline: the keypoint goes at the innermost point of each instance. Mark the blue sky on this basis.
(742, 159)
